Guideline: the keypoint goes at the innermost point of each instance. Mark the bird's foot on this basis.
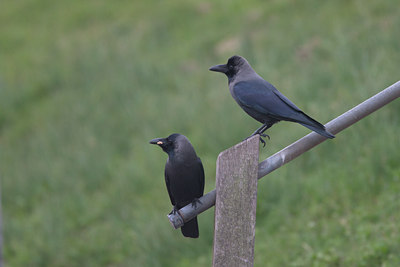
(262, 141)
(261, 137)
(174, 210)
(265, 135)
(195, 201)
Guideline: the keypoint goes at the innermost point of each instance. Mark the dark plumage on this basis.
(261, 100)
(184, 176)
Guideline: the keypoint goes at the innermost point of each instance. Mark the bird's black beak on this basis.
(157, 141)
(220, 68)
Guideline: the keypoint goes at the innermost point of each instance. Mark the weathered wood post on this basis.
(235, 205)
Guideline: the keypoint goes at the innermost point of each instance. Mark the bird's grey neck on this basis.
(244, 74)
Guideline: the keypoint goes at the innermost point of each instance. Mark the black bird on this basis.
(184, 176)
(261, 100)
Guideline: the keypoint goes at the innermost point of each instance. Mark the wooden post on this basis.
(235, 206)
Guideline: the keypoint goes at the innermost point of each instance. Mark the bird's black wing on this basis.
(284, 98)
(266, 99)
(185, 181)
(200, 179)
(168, 184)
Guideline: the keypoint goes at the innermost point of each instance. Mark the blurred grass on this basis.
(85, 85)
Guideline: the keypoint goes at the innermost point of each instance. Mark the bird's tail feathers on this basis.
(191, 228)
(319, 130)
(315, 126)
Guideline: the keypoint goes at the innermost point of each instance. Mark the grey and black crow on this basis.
(184, 176)
(261, 100)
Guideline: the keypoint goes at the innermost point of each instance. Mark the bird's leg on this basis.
(174, 210)
(195, 201)
(259, 130)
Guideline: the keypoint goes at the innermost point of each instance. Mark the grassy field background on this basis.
(84, 85)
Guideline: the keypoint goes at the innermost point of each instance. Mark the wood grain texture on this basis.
(236, 201)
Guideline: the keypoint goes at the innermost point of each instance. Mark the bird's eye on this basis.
(230, 67)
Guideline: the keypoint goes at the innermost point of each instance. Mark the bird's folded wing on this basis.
(168, 184)
(265, 98)
(200, 178)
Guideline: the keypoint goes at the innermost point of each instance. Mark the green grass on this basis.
(85, 85)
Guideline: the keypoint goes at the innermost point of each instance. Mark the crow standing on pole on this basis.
(261, 100)
(184, 176)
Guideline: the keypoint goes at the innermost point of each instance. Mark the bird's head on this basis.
(234, 65)
(167, 144)
(175, 144)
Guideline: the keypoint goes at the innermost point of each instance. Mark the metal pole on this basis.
(297, 148)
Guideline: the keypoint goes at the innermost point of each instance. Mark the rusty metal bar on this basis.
(299, 147)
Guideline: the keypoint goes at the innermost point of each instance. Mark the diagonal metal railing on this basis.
(297, 148)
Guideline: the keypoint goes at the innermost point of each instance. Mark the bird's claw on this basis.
(261, 136)
(265, 135)
(262, 141)
(174, 210)
(195, 201)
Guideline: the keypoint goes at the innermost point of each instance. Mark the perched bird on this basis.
(261, 100)
(184, 176)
